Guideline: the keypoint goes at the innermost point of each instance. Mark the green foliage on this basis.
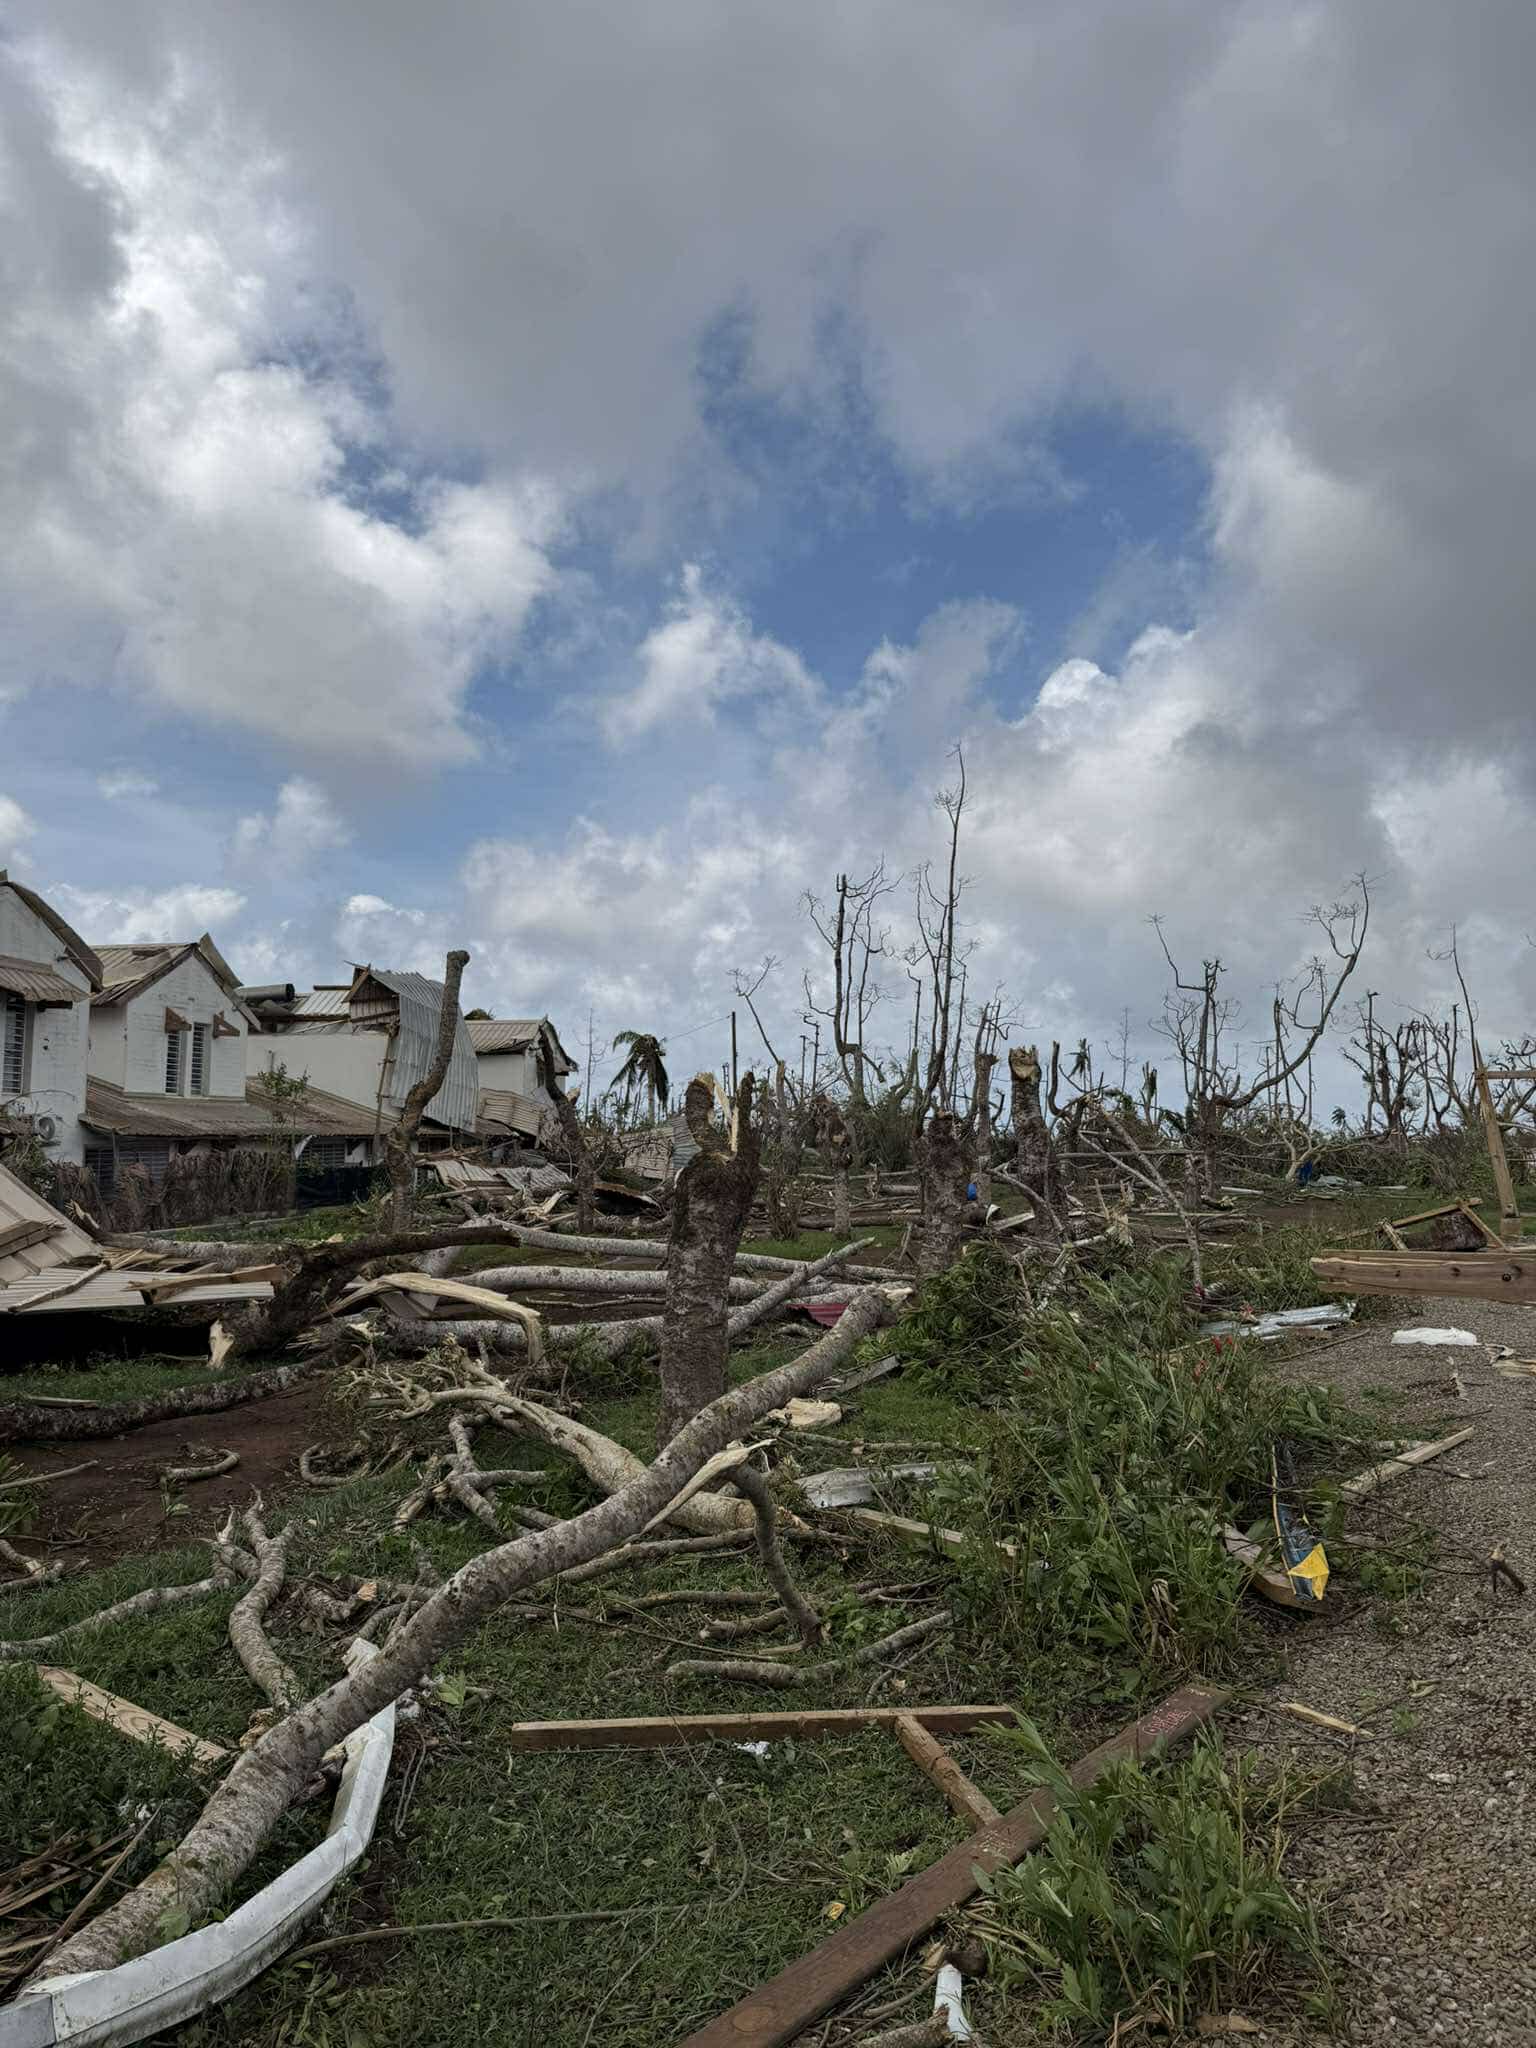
(1158, 1893)
(965, 1328)
(1114, 1472)
(15, 1508)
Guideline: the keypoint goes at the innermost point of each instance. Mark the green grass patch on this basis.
(1159, 1895)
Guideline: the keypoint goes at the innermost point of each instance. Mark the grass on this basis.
(104, 1378)
(1091, 1437)
(1159, 1895)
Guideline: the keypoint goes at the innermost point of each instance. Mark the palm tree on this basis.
(645, 1062)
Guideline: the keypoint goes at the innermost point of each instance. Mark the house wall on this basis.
(345, 1062)
(515, 1070)
(56, 1066)
(127, 1040)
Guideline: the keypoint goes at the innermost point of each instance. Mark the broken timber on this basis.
(128, 1719)
(780, 2009)
(669, 1730)
(1477, 1276)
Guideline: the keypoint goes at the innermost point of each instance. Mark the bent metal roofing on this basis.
(314, 1114)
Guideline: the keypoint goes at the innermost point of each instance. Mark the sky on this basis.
(563, 481)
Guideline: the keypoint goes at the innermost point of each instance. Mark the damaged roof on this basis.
(70, 941)
(516, 1034)
(40, 985)
(313, 1114)
(126, 971)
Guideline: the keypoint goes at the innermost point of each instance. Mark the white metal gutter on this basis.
(171, 1984)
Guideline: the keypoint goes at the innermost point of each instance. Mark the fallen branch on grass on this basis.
(242, 1812)
(147, 1602)
(749, 1481)
(185, 1475)
(747, 1672)
(247, 1634)
(21, 1420)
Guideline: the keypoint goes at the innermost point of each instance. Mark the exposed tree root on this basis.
(313, 1477)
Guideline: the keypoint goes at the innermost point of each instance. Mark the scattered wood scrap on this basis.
(1480, 1276)
(666, 1731)
(128, 1719)
(1377, 1476)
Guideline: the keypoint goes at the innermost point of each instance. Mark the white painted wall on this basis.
(128, 1039)
(345, 1062)
(515, 1070)
(56, 1073)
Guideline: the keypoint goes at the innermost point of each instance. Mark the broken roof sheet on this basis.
(516, 1034)
(73, 946)
(313, 1114)
(127, 970)
(37, 984)
(421, 1000)
(23, 1214)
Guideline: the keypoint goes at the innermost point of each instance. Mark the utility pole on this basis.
(733, 1056)
(588, 1104)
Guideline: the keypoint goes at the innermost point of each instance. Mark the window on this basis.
(173, 1045)
(13, 1046)
(197, 1067)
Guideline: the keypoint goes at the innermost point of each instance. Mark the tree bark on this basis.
(29, 1421)
(594, 1280)
(243, 1810)
(583, 1167)
(710, 1207)
(838, 1139)
(1033, 1157)
(946, 1172)
(400, 1138)
(539, 1239)
(985, 1062)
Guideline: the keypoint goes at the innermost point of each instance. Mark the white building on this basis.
(167, 1068)
(367, 1043)
(523, 1071)
(47, 977)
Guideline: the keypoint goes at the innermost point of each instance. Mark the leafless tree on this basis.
(857, 943)
(1198, 1020)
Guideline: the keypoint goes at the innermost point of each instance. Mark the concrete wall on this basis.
(56, 1066)
(128, 1039)
(515, 1070)
(345, 1062)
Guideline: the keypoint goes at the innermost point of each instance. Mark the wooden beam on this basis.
(924, 1534)
(128, 1719)
(1393, 1468)
(161, 1286)
(1475, 1276)
(782, 2008)
(935, 1762)
(19, 1237)
(668, 1731)
(70, 1286)
(1509, 1208)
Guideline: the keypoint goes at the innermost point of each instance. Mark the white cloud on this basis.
(703, 655)
(117, 783)
(188, 515)
(15, 828)
(133, 917)
(286, 840)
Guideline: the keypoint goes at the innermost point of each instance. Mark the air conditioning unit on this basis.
(46, 1129)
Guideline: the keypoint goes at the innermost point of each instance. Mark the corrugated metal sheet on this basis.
(503, 1034)
(189, 1117)
(505, 1110)
(319, 1002)
(421, 1002)
(19, 1205)
(126, 969)
(38, 984)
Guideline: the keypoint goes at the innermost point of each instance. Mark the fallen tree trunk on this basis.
(610, 1340)
(242, 1812)
(538, 1239)
(595, 1280)
(26, 1420)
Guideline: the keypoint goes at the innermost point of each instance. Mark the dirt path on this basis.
(115, 1507)
(1436, 1887)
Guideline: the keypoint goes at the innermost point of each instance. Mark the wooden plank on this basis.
(1509, 1208)
(668, 1731)
(128, 1719)
(1394, 1468)
(923, 1534)
(1489, 1235)
(59, 1289)
(16, 1237)
(1429, 1215)
(1477, 1276)
(935, 1762)
(779, 2010)
(161, 1286)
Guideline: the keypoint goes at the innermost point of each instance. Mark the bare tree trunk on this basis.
(25, 1421)
(945, 1167)
(1033, 1158)
(400, 1139)
(583, 1168)
(838, 1139)
(985, 1062)
(710, 1207)
(243, 1810)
